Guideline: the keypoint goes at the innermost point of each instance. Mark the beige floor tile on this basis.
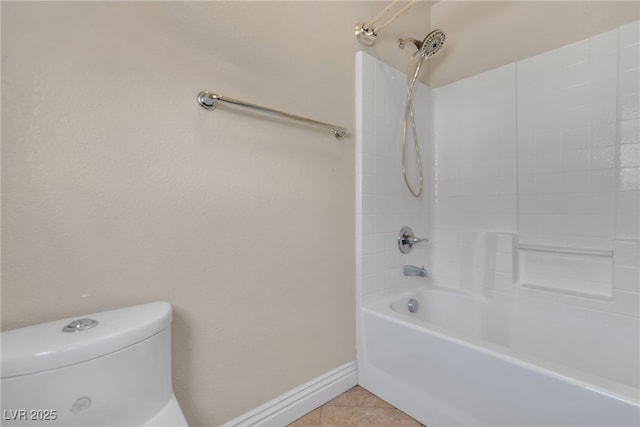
(312, 419)
(357, 416)
(357, 396)
(356, 407)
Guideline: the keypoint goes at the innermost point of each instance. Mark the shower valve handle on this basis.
(406, 240)
(412, 240)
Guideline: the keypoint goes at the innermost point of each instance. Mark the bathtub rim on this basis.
(382, 308)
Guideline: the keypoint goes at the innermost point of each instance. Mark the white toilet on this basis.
(103, 369)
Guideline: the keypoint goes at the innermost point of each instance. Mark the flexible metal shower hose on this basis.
(408, 113)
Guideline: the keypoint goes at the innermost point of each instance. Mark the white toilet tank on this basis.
(114, 371)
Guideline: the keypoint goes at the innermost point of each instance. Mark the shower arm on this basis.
(402, 42)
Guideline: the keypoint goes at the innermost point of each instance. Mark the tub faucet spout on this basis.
(412, 270)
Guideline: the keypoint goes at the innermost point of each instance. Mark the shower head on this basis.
(429, 46)
(432, 43)
(426, 49)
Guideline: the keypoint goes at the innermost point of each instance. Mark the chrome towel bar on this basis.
(208, 101)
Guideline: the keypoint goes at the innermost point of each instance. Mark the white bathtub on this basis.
(463, 360)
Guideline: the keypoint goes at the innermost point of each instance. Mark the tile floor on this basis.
(356, 407)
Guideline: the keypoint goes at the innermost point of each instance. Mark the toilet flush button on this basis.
(80, 325)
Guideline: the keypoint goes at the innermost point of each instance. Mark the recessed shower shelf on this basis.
(566, 250)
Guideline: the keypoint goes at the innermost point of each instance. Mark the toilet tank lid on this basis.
(45, 346)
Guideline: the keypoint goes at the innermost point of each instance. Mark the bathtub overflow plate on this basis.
(413, 305)
(80, 325)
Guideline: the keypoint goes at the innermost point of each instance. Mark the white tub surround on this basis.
(533, 216)
(383, 204)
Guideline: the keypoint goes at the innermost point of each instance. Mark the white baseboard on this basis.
(292, 405)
